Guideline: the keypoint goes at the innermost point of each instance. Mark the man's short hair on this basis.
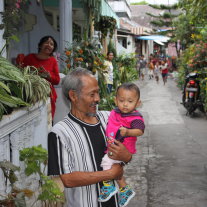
(73, 81)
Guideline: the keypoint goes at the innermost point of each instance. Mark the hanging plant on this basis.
(105, 25)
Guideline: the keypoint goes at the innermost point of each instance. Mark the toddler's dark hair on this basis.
(129, 86)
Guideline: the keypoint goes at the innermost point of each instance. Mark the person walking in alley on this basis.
(125, 124)
(142, 63)
(151, 69)
(164, 71)
(157, 71)
(76, 144)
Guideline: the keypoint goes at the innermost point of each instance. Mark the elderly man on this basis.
(76, 144)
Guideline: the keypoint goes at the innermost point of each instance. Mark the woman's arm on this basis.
(54, 73)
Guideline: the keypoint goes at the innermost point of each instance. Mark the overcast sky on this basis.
(156, 1)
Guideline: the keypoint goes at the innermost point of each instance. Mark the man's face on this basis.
(86, 103)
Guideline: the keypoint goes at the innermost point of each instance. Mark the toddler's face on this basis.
(127, 100)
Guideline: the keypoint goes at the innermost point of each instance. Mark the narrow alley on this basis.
(170, 167)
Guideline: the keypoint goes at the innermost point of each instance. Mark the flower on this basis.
(83, 54)
(68, 52)
(80, 51)
(17, 5)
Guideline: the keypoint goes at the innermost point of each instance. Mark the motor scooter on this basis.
(191, 99)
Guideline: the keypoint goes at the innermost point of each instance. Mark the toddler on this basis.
(125, 124)
(157, 71)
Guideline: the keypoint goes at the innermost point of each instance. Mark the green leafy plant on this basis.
(198, 58)
(194, 59)
(124, 71)
(13, 17)
(111, 48)
(35, 87)
(16, 196)
(9, 74)
(35, 159)
(21, 87)
(203, 85)
(107, 100)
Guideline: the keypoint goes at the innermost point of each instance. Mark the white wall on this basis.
(120, 6)
(150, 48)
(147, 48)
(120, 49)
(62, 107)
(130, 47)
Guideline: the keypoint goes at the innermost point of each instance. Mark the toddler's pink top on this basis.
(133, 120)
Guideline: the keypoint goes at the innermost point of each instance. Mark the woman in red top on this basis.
(44, 60)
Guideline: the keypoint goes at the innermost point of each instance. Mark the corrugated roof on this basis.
(132, 26)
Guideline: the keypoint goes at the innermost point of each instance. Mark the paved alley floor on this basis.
(169, 169)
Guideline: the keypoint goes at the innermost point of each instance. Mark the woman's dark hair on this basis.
(43, 40)
(109, 53)
(129, 86)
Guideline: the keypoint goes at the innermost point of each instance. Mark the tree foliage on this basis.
(165, 19)
(192, 22)
(191, 30)
(197, 9)
(140, 3)
(184, 30)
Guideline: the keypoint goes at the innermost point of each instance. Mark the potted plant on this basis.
(20, 87)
